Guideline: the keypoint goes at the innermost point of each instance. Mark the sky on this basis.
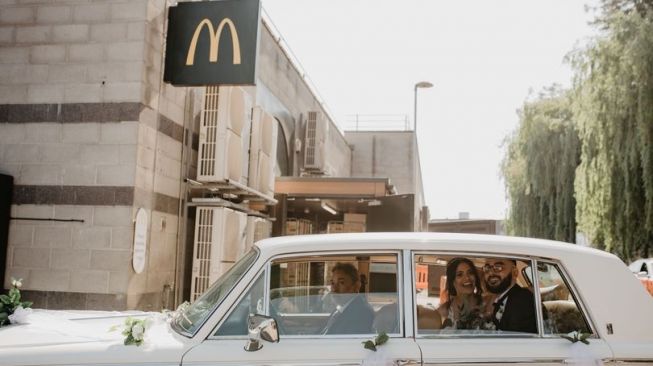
(484, 57)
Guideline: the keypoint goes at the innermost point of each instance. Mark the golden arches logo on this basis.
(214, 41)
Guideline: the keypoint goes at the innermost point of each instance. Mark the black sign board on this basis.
(212, 42)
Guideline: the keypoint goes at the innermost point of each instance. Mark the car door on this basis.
(318, 321)
(489, 341)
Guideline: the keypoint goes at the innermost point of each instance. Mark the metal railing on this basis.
(378, 122)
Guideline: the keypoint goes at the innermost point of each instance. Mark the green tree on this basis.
(613, 107)
(538, 168)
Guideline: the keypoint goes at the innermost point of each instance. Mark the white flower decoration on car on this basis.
(133, 330)
(138, 331)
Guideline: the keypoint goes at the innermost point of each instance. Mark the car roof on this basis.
(491, 244)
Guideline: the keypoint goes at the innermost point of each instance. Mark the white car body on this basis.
(618, 309)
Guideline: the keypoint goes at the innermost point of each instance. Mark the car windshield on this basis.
(191, 318)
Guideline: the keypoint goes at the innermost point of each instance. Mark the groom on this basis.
(514, 306)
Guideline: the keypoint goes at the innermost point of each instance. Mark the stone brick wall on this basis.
(281, 78)
(72, 51)
(391, 154)
(90, 132)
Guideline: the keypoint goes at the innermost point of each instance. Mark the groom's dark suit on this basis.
(519, 311)
(356, 318)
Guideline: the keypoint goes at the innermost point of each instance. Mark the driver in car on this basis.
(353, 314)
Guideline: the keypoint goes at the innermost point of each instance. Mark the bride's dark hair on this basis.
(452, 266)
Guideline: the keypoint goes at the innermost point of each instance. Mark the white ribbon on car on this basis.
(378, 358)
(582, 355)
(53, 322)
(20, 316)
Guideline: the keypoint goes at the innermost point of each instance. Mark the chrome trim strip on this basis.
(565, 274)
(266, 290)
(578, 297)
(480, 336)
(407, 362)
(474, 253)
(408, 312)
(498, 361)
(624, 360)
(538, 298)
(491, 361)
(471, 254)
(266, 268)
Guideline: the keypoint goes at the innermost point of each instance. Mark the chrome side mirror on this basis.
(260, 327)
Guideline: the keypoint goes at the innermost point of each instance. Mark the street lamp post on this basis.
(421, 84)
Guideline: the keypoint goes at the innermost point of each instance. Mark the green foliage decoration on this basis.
(379, 340)
(11, 301)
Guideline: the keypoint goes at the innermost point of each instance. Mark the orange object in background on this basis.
(421, 277)
(444, 294)
(648, 284)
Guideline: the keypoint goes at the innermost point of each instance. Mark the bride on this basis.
(465, 307)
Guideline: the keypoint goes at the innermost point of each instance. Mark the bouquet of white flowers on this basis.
(133, 330)
(10, 302)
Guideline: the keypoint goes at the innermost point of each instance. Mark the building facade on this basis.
(468, 226)
(90, 133)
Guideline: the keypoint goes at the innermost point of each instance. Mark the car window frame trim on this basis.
(179, 330)
(266, 268)
(539, 305)
(577, 296)
(465, 336)
(234, 304)
(534, 259)
(397, 252)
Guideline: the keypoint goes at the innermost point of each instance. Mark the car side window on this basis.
(559, 306)
(252, 303)
(335, 294)
(465, 295)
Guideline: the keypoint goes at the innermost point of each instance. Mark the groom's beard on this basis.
(501, 286)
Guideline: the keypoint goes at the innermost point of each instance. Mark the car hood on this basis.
(83, 337)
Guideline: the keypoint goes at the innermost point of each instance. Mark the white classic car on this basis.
(441, 299)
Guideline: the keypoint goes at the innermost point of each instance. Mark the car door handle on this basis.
(405, 362)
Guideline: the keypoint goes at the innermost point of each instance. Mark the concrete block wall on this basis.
(282, 79)
(384, 154)
(88, 257)
(391, 154)
(89, 132)
(71, 51)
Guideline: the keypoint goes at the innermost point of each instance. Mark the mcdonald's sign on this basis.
(212, 42)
